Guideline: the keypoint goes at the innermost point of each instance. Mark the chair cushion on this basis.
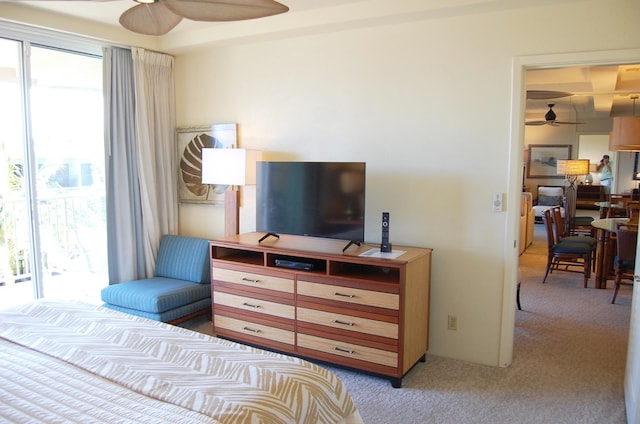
(627, 265)
(572, 247)
(184, 258)
(545, 200)
(155, 295)
(582, 220)
(169, 315)
(591, 241)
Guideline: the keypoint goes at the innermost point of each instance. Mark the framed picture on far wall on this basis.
(190, 142)
(543, 159)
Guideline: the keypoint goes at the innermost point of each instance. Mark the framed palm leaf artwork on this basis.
(190, 143)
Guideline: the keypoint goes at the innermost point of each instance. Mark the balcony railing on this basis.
(72, 228)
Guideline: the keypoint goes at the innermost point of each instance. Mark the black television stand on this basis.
(270, 234)
(357, 243)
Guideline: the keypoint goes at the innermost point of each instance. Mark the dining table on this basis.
(617, 207)
(605, 248)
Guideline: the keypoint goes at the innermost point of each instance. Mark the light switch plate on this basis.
(497, 202)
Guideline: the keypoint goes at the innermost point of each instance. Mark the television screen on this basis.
(319, 199)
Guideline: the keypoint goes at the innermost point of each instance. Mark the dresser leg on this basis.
(396, 383)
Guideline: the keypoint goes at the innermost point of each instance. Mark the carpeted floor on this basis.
(568, 367)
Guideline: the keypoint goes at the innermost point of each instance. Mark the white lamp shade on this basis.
(572, 167)
(229, 166)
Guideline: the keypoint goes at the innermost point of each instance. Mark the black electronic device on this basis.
(306, 266)
(318, 199)
(385, 246)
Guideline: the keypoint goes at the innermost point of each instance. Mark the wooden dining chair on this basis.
(559, 227)
(625, 260)
(633, 209)
(565, 255)
(618, 207)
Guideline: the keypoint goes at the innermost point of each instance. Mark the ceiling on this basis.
(598, 92)
(109, 11)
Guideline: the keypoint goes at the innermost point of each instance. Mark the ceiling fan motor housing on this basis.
(550, 115)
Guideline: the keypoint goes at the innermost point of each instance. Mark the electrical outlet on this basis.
(452, 322)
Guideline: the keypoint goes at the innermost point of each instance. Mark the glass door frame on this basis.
(26, 38)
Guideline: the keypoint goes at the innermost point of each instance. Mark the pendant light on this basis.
(625, 134)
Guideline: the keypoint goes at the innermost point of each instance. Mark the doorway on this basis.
(521, 65)
(516, 166)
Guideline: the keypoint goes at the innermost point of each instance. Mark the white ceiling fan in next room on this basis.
(158, 17)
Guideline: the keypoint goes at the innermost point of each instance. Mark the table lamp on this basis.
(588, 179)
(233, 168)
(571, 169)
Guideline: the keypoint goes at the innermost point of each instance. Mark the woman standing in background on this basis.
(606, 175)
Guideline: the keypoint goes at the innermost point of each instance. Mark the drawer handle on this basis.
(341, 349)
(344, 295)
(337, 321)
(253, 330)
(251, 305)
(250, 280)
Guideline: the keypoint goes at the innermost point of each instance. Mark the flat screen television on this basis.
(318, 199)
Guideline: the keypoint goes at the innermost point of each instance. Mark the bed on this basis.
(75, 362)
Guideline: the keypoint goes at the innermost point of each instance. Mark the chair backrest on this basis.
(618, 205)
(618, 197)
(526, 203)
(550, 196)
(184, 258)
(633, 209)
(548, 223)
(626, 243)
(558, 223)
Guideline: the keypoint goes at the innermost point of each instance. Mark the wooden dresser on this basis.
(354, 310)
(588, 195)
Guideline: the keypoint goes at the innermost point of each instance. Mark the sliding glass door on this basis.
(52, 204)
(15, 284)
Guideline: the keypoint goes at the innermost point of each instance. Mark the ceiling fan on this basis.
(158, 17)
(550, 119)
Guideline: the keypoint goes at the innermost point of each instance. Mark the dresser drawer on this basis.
(254, 305)
(348, 322)
(349, 295)
(250, 279)
(348, 350)
(254, 329)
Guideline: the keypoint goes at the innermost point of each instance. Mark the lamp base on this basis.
(231, 212)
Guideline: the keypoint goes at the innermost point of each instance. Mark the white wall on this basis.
(427, 105)
(593, 147)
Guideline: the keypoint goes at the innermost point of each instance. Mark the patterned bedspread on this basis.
(64, 362)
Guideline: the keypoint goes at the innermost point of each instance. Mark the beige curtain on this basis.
(155, 132)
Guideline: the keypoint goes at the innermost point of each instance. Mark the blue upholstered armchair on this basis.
(180, 289)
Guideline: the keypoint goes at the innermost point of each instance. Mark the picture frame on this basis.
(636, 167)
(543, 158)
(189, 145)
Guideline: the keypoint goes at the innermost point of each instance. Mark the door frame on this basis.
(521, 64)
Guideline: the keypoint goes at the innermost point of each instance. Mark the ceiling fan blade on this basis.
(535, 123)
(223, 11)
(546, 94)
(568, 123)
(150, 19)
